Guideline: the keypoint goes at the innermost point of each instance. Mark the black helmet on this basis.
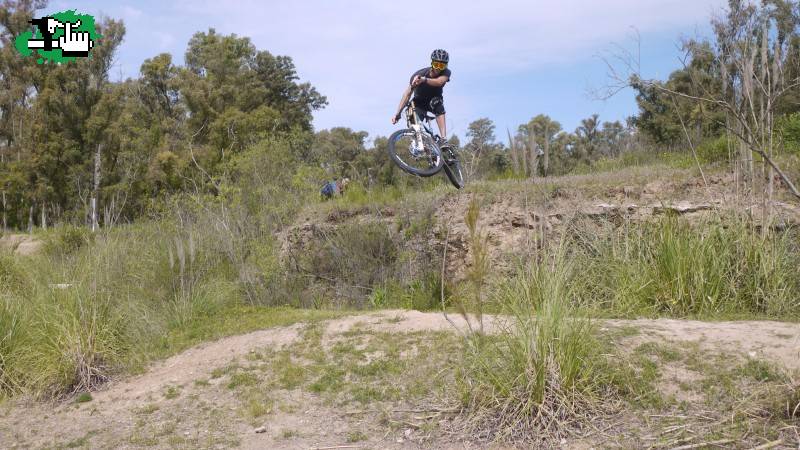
(440, 55)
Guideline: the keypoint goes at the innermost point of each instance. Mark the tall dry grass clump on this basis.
(720, 268)
(535, 379)
(478, 269)
(72, 317)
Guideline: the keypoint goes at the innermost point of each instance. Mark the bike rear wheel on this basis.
(405, 151)
(454, 173)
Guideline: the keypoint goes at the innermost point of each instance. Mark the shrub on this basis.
(422, 294)
(713, 150)
(13, 276)
(69, 321)
(536, 378)
(9, 334)
(788, 128)
(671, 267)
(354, 257)
(67, 239)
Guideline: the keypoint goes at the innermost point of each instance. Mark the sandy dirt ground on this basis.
(128, 410)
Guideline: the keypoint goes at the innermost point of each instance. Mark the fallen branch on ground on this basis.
(705, 444)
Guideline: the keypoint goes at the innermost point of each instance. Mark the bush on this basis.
(713, 150)
(354, 257)
(788, 128)
(66, 239)
(70, 320)
(537, 377)
(77, 351)
(422, 294)
(671, 267)
(13, 276)
(9, 334)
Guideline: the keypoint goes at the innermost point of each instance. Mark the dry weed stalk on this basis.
(479, 263)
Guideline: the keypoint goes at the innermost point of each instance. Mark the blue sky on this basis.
(511, 59)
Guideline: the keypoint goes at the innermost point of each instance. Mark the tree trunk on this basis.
(546, 160)
(96, 187)
(30, 220)
(534, 154)
(5, 207)
(523, 152)
(44, 216)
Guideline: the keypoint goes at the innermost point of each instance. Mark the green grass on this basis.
(57, 341)
(83, 397)
(258, 404)
(221, 371)
(664, 352)
(290, 374)
(719, 269)
(677, 160)
(82, 441)
(543, 363)
(288, 433)
(635, 379)
(234, 320)
(359, 366)
(356, 436)
(147, 409)
(240, 379)
(761, 371)
(172, 392)
(137, 293)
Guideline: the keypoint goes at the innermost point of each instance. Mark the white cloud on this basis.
(164, 40)
(360, 53)
(130, 13)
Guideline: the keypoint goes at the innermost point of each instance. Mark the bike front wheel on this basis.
(417, 157)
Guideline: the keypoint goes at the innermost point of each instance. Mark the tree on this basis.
(587, 133)
(662, 116)
(756, 67)
(543, 129)
(481, 140)
(16, 92)
(236, 95)
(69, 127)
(338, 149)
(611, 137)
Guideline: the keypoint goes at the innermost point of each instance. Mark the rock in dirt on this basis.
(261, 430)
(681, 208)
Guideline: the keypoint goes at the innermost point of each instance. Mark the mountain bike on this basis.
(416, 149)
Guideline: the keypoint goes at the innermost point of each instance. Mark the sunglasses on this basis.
(438, 65)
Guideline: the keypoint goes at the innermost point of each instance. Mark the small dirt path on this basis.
(110, 419)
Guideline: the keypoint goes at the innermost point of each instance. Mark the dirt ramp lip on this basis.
(777, 341)
(21, 244)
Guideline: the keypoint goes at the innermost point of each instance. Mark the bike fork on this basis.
(418, 137)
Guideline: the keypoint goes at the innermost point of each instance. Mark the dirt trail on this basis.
(775, 341)
(112, 418)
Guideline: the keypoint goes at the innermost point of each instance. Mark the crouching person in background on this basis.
(335, 187)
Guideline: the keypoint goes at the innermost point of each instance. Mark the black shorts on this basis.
(434, 105)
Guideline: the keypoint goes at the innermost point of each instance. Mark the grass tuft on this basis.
(723, 268)
(536, 379)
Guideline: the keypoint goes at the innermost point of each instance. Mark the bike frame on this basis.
(413, 123)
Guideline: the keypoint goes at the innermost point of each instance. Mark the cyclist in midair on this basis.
(427, 84)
